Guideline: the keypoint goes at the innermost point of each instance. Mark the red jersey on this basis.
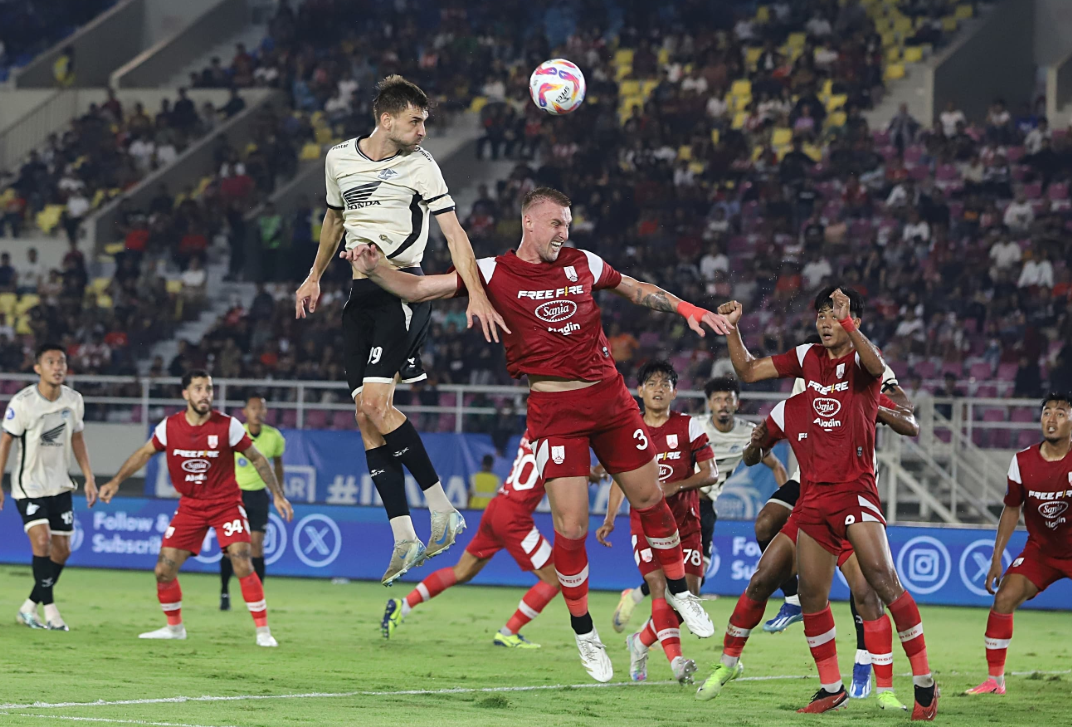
(556, 326)
(524, 486)
(201, 459)
(844, 405)
(1044, 489)
(791, 420)
(680, 444)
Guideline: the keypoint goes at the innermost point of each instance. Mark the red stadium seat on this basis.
(316, 419)
(980, 371)
(343, 420)
(288, 419)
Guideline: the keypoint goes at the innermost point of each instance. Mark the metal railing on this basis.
(30, 131)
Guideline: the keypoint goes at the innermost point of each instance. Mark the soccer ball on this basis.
(557, 86)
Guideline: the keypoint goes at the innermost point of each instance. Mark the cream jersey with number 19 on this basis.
(43, 430)
(386, 203)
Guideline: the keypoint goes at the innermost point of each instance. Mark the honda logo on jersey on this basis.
(671, 441)
(571, 273)
(840, 371)
(213, 441)
(558, 455)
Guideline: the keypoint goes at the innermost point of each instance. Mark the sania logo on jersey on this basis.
(51, 438)
(358, 197)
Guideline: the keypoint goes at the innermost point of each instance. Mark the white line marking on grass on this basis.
(108, 721)
(417, 692)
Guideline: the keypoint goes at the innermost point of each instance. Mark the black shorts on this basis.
(57, 511)
(256, 504)
(787, 494)
(382, 336)
(708, 518)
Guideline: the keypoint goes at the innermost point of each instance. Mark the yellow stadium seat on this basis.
(796, 40)
(762, 14)
(48, 218)
(696, 167)
(174, 286)
(113, 248)
(740, 103)
(828, 89)
(26, 302)
(893, 54)
(781, 137)
(757, 152)
(202, 185)
(889, 38)
(99, 285)
(22, 326)
(738, 119)
(316, 118)
(323, 135)
(836, 102)
(895, 71)
(814, 152)
(963, 12)
(8, 301)
(646, 87)
(310, 152)
(741, 87)
(629, 102)
(104, 301)
(684, 152)
(949, 23)
(663, 57)
(622, 72)
(902, 24)
(623, 57)
(781, 151)
(913, 54)
(715, 136)
(629, 88)
(751, 56)
(478, 103)
(836, 119)
(250, 148)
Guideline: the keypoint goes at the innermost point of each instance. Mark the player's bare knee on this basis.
(764, 527)
(763, 584)
(868, 604)
(60, 550)
(1006, 601)
(656, 584)
(571, 530)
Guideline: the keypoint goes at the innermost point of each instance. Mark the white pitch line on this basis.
(417, 692)
(108, 721)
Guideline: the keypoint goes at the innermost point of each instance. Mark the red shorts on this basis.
(647, 562)
(1033, 565)
(506, 525)
(190, 523)
(792, 527)
(827, 511)
(604, 417)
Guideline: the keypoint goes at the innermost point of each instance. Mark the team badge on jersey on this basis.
(671, 441)
(213, 441)
(387, 174)
(840, 370)
(558, 454)
(571, 273)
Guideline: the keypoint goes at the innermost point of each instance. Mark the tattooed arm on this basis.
(654, 297)
(264, 469)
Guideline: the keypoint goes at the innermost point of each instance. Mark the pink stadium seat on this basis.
(881, 138)
(925, 369)
(919, 173)
(343, 420)
(1026, 438)
(1014, 154)
(135, 415)
(986, 391)
(946, 173)
(1024, 414)
(953, 367)
(288, 419)
(900, 368)
(861, 229)
(650, 339)
(765, 408)
(913, 154)
(1057, 191)
(980, 371)
(1007, 371)
(1033, 190)
(750, 210)
(448, 399)
(1019, 172)
(446, 422)
(316, 419)
(889, 153)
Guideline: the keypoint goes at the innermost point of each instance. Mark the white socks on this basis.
(28, 606)
(793, 600)
(402, 528)
(730, 661)
(926, 681)
(406, 608)
(436, 499)
(52, 614)
(637, 595)
(863, 656)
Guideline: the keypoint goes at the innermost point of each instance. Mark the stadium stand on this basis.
(28, 28)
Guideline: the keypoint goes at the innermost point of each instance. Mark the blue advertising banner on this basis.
(938, 565)
(329, 467)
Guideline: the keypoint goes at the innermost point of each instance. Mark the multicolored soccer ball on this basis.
(557, 86)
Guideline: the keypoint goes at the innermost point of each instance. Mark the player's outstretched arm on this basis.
(264, 469)
(706, 475)
(654, 297)
(134, 463)
(870, 357)
(1010, 516)
(781, 476)
(461, 254)
(81, 455)
(614, 503)
(308, 293)
(749, 368)
(414, 288)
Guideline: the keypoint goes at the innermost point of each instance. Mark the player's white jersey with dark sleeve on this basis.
(386, 203)
(43, 430)
(728, 448)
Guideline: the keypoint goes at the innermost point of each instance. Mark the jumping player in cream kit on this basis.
(47, 420)
(381, 189)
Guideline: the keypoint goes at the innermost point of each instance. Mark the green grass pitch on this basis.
(330, 645)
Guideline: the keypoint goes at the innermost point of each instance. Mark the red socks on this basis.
(998, 636)
(170, 595)
(665, 622)
(660, 529)
(878, 636)
(820, 632)
(648, 637)
(910, 630)
(253, 595)
(746, 616)
(531, 604)
(571, 567)
(431, 586)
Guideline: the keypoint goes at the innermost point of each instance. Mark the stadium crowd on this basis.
(28, 28)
